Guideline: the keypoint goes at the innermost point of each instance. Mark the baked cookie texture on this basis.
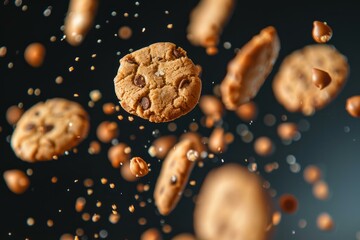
(48, 129)
(293, 87)
(247, 72)
(207, 20)
(158, 83)
(174, 176)
(233, 205)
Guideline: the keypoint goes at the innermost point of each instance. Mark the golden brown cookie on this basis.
(293, 86)
(159, 82)
(173, 177)
(247, 72)
(48, 129)
(79, 20)
(232, 205)
(207, 21)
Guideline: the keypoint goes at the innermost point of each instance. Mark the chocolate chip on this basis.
(29, 126)
(145, 103)
(173, 179)
(131, 60)
(37, 113)
(184, 83)
(320, 78)
(321, 32)
(139, 81)
(48, 128)
(177, 53)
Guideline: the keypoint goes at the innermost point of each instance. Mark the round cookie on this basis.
(232, 205)
(293, 86)
(247, 72)
(48, 129)
(159, 82)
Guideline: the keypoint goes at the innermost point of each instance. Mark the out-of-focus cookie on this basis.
(207, 21)
(159, 82)
(232, 205)
(79, 20)
(173, 177)
(293, 86)
(48, 129)
(247, 72)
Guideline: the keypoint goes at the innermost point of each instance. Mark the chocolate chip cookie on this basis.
(173, 177)
(247, 72)
(158, 83)
(293, 86)
(48, 129)
(232, 205)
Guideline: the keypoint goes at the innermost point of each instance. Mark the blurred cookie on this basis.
(48, 129)
(159, 82)
(207, 21)
(293, 86)
(79, 20)
(232, 205)
(247, 72)
(173, 177)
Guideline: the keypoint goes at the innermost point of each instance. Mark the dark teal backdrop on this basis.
(332, 141)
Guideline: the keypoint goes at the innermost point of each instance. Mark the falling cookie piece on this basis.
(293, 87)
(16, 180)
(158, 83)
(353, 106)
(207, 21)
(138, 167)
(79, 20)
(325, 222)
(247, 72)
(320, 78)
(321, 32)
(35, 54)
(233, 205)
(173, 177)
(48, 129)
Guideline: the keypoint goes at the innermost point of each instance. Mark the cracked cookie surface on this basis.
(293, 86)
(158, 83)
(48, 129)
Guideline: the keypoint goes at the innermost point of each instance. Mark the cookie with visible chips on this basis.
(233, 205)
(247, 72)
(174, 176)
(158, 83)
(48, 129)
(293, 87)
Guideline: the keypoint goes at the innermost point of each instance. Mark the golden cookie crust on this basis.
(158, 83)
(293, 86)
(247, 72)
(232, 205)
(173, 177)
(48, 129)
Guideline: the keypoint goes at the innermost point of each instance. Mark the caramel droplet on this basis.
(320, 78)
(353, 106)
(139, 81)
(321, 32)
(145, 103)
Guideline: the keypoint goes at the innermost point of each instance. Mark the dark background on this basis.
(325, 144)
